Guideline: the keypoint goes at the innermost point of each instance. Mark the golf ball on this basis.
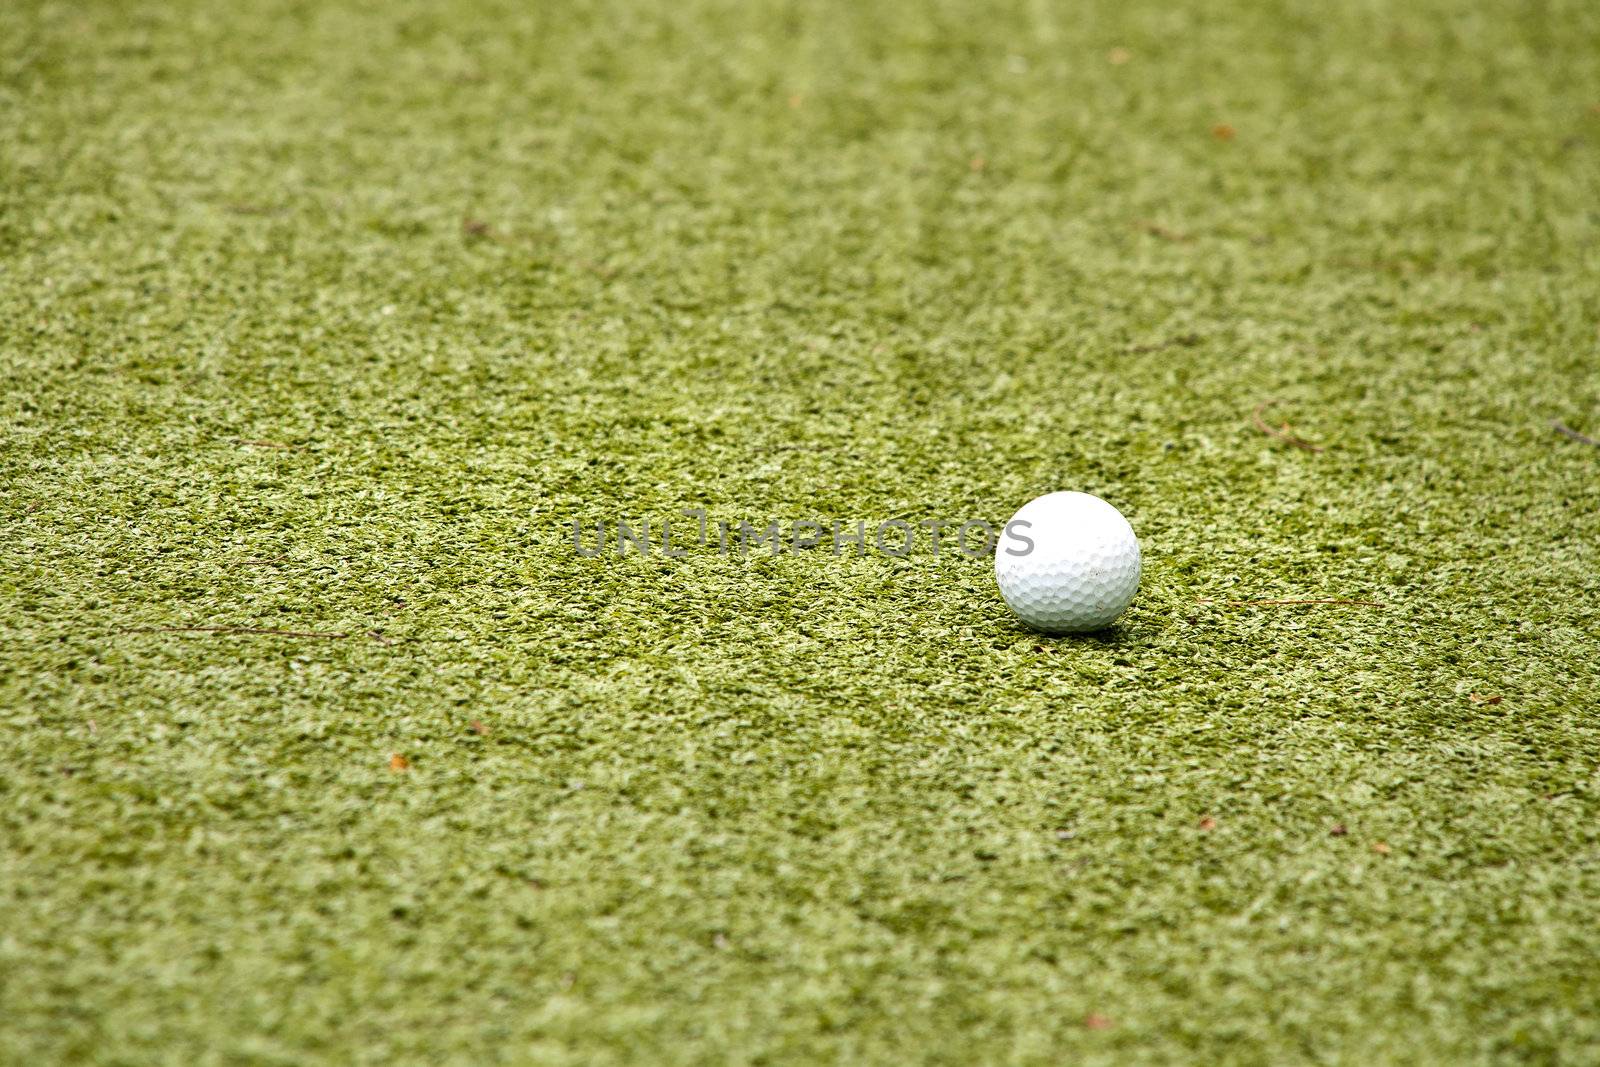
(1067, 563)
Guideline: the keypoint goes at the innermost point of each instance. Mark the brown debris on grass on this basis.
(1283, 431)
(1155, 229)
(1567, 431)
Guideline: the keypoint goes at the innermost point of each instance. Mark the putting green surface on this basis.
(321, 323)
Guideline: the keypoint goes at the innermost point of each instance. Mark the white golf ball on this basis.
(1067, 563)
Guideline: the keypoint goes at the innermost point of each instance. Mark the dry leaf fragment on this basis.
(1380, 848)
(1208, 823)
(478, 728)
(1338, 829)
(1118, 56)
(796, 100)
(1479, 698)
(398, 763)
(1223, 132)
(1095, 1021)
(977, 164)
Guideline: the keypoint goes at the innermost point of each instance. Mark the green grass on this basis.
(489, 267)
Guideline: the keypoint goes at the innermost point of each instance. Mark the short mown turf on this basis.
(321, 323)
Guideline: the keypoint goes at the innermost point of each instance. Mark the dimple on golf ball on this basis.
(1067, 563)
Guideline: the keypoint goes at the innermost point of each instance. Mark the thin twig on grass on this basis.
(233, 630)
(1568, 431)
(1261, 603)
(1282, 432)
(266, 444)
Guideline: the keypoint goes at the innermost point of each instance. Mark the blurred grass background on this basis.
(328, 318)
